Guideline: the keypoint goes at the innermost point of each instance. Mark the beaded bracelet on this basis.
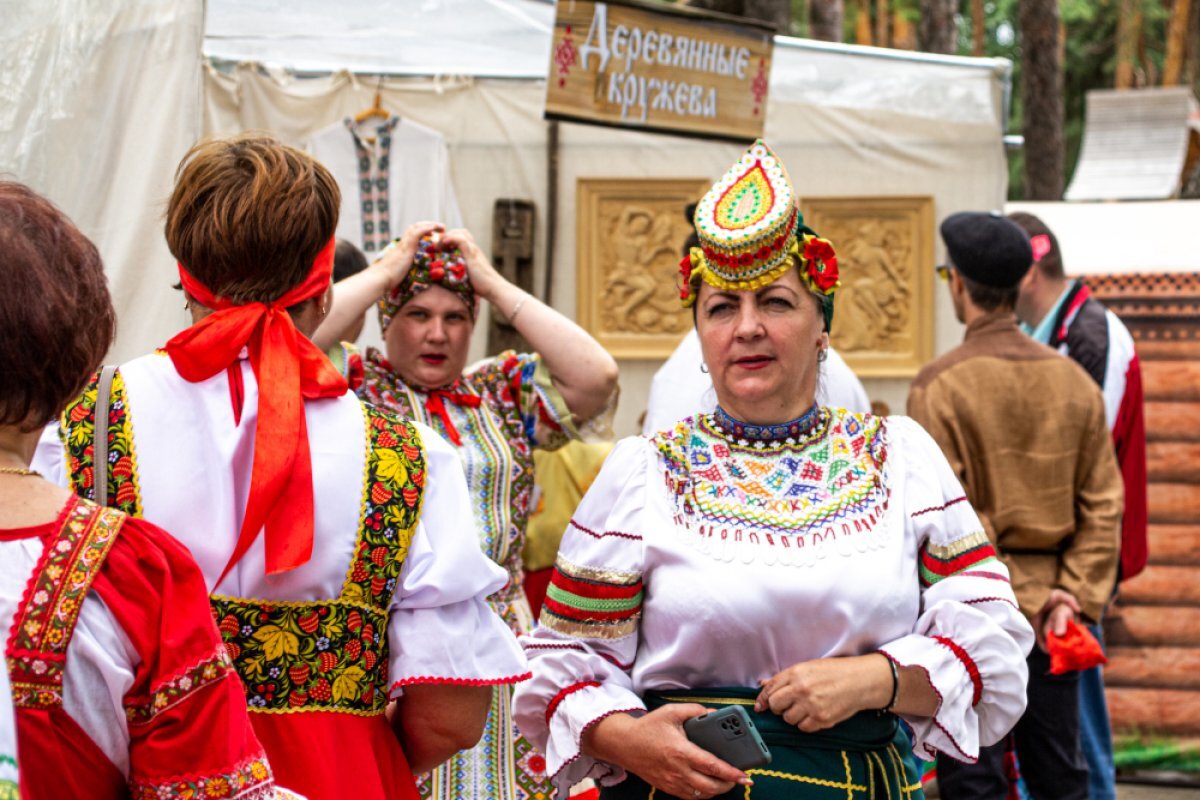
(895, 686)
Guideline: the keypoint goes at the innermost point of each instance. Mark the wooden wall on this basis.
(1153, 632)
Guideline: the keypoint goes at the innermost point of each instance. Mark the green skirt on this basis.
(867, 757)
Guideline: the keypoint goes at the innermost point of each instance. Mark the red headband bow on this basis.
(289, 368)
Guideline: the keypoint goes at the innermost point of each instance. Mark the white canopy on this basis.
(103, 98)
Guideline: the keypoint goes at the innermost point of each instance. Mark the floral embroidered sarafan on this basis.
(333, 655)
(251, 780)
(77, 427)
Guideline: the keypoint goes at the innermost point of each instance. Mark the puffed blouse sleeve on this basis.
(442, 630)
(583, 648)
(970, 638)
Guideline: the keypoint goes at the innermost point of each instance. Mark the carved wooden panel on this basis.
(883, 317)
(629, 234)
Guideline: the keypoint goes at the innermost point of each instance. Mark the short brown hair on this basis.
(249, 215)
(991, 298)
(56, 316)
(1050, 264)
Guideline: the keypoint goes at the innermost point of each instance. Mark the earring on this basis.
(704, 367)
(822, 354)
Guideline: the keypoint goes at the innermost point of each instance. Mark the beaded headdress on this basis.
(432, 266)
(751, 232)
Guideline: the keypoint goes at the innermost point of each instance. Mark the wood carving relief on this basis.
(883, 318)
(629, 234)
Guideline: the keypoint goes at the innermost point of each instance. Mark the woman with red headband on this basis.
(335, 538)
(494, 416)
(121, 685)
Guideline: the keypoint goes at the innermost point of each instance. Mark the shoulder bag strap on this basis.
(100, 433)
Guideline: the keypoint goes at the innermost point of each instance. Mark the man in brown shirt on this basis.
(1024, 428)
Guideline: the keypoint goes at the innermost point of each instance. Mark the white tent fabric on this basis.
(98, 103)
(101, 100)
(848, 121)
(1112, 238)
(483, 38)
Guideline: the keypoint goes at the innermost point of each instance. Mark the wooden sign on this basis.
(674, 70)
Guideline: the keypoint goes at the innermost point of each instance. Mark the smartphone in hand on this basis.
(729, 734)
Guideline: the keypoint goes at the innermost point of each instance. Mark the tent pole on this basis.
(551, 208)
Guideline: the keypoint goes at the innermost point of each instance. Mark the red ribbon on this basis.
(435, 404)
(289, 368)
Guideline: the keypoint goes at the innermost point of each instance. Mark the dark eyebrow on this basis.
(776, 285)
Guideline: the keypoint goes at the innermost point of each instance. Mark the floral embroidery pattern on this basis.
(333, 655)
(251, 780)
(175, 690)
(777, 493)
(77, 428)
(37, 647)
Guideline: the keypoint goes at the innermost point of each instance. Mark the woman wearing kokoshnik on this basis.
(819, 567)
(334, 538)
(428, 285)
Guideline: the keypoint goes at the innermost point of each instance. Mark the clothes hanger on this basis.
(375, 111)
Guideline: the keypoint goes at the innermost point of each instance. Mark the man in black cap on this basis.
(1025, 430)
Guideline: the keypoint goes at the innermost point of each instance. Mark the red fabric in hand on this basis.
(1075, 650)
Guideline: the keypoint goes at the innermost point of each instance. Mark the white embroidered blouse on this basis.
(700, 560)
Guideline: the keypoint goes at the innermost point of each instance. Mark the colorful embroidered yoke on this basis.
(837, 534)
(185, 732)
(829, 478)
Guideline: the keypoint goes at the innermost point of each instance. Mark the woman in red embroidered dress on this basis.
(335, 539)
(119, 678)
(495, 415)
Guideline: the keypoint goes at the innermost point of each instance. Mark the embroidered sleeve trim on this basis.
(563, 694)
(505, 681)
(939, 562)
(591, 724)
(576, 647)
(602, 534)
(942, 507)
(969, 663)
(45, 621)
(249, 780)
(179, 687)
(553, 646)
(931, 751)
(978, 600)
(583, 573)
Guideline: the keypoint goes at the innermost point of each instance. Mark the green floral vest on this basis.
(326, 655)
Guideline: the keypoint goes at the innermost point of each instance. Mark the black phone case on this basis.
(730, 735)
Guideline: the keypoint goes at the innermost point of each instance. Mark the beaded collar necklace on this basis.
(784, 432)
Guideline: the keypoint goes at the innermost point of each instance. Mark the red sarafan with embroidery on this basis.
(184, 725)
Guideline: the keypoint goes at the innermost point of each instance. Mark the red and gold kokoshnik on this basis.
(751, 232)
